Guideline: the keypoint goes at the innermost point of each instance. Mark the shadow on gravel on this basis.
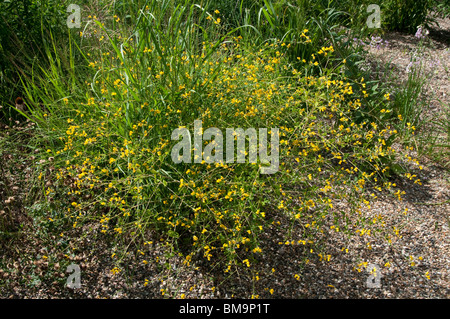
(441, 36)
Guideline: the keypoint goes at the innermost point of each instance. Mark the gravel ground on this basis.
(436, 57)
(414, 265)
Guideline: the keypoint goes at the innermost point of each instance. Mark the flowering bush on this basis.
(112, 168)
(107, 100)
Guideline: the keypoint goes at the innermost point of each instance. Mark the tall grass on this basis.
(24, 26)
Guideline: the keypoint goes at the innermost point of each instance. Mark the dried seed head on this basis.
(20, 104)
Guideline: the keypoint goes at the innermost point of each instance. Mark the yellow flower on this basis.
(115, 270)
